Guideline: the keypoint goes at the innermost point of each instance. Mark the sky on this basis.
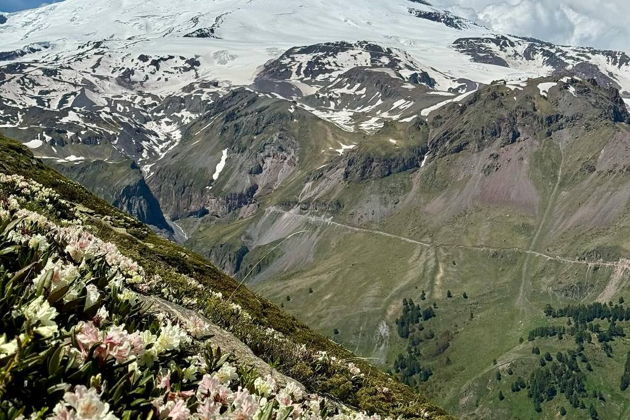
(596, 23)
(14, 5)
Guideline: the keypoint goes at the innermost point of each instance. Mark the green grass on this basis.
(366, 275)
(159, 256)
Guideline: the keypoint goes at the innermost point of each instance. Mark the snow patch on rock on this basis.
(34, 144)
(220, 165)
(343, 148)
(425, 112)
(544, 88)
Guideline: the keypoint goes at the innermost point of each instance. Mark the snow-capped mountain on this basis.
(343, 156)
(132, 73)
(124, 80)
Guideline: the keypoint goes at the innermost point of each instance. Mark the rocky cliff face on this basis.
(138, 201)
(254, 139)
(123, 185)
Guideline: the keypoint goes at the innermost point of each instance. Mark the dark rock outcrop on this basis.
(360, 166)
(446, 18)
(137, 200)
(228, 256)
(29, 49)
(121, 184)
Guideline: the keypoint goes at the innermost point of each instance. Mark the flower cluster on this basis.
(26, 192)
(83, 403)
(73, 314)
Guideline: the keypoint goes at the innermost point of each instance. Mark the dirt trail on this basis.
(439, 280)
(522, 301)
(328, 221)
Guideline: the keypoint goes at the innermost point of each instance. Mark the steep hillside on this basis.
(104, 319)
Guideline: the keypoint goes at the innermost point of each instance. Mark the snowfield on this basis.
(250, 33)
(135, 74)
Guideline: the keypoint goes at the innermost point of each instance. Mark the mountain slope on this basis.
(128, 75)
(344, 160)
(168, 276)
(511, 196)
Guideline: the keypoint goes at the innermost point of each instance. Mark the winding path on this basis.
(530, 252)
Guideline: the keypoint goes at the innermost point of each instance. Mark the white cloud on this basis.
(597, 23)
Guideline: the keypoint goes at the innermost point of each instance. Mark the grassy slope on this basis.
(368, 284)
(159, 256)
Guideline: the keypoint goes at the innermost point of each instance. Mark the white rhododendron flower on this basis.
(39, 313)
(179, 411)
(208, 387)
(174, 410)
(92, 296)
(209, 410)
(122, 345)
(38, 242)
(134, 367)
(148, 337)
(226, 374)
(78, 245)
(82, 404)
(7, 348)
(265, 386)
(314, 404)
(294, 390)
(88, 335)
(101, 315)
(244, 404)
(170, 338)
(353, 369)
(284, 398)
(116, 343)
(59, 274)
(128, 296)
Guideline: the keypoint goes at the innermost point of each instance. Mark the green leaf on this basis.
(82, 372)
(71, 361)
(118, 389)
(139, 402)
(20, 275)
(286, 415)
(11, 225)
(58, 294)
(57, 388)
(9, 250)
(267, 411)
(55, 361)
(147, 377)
